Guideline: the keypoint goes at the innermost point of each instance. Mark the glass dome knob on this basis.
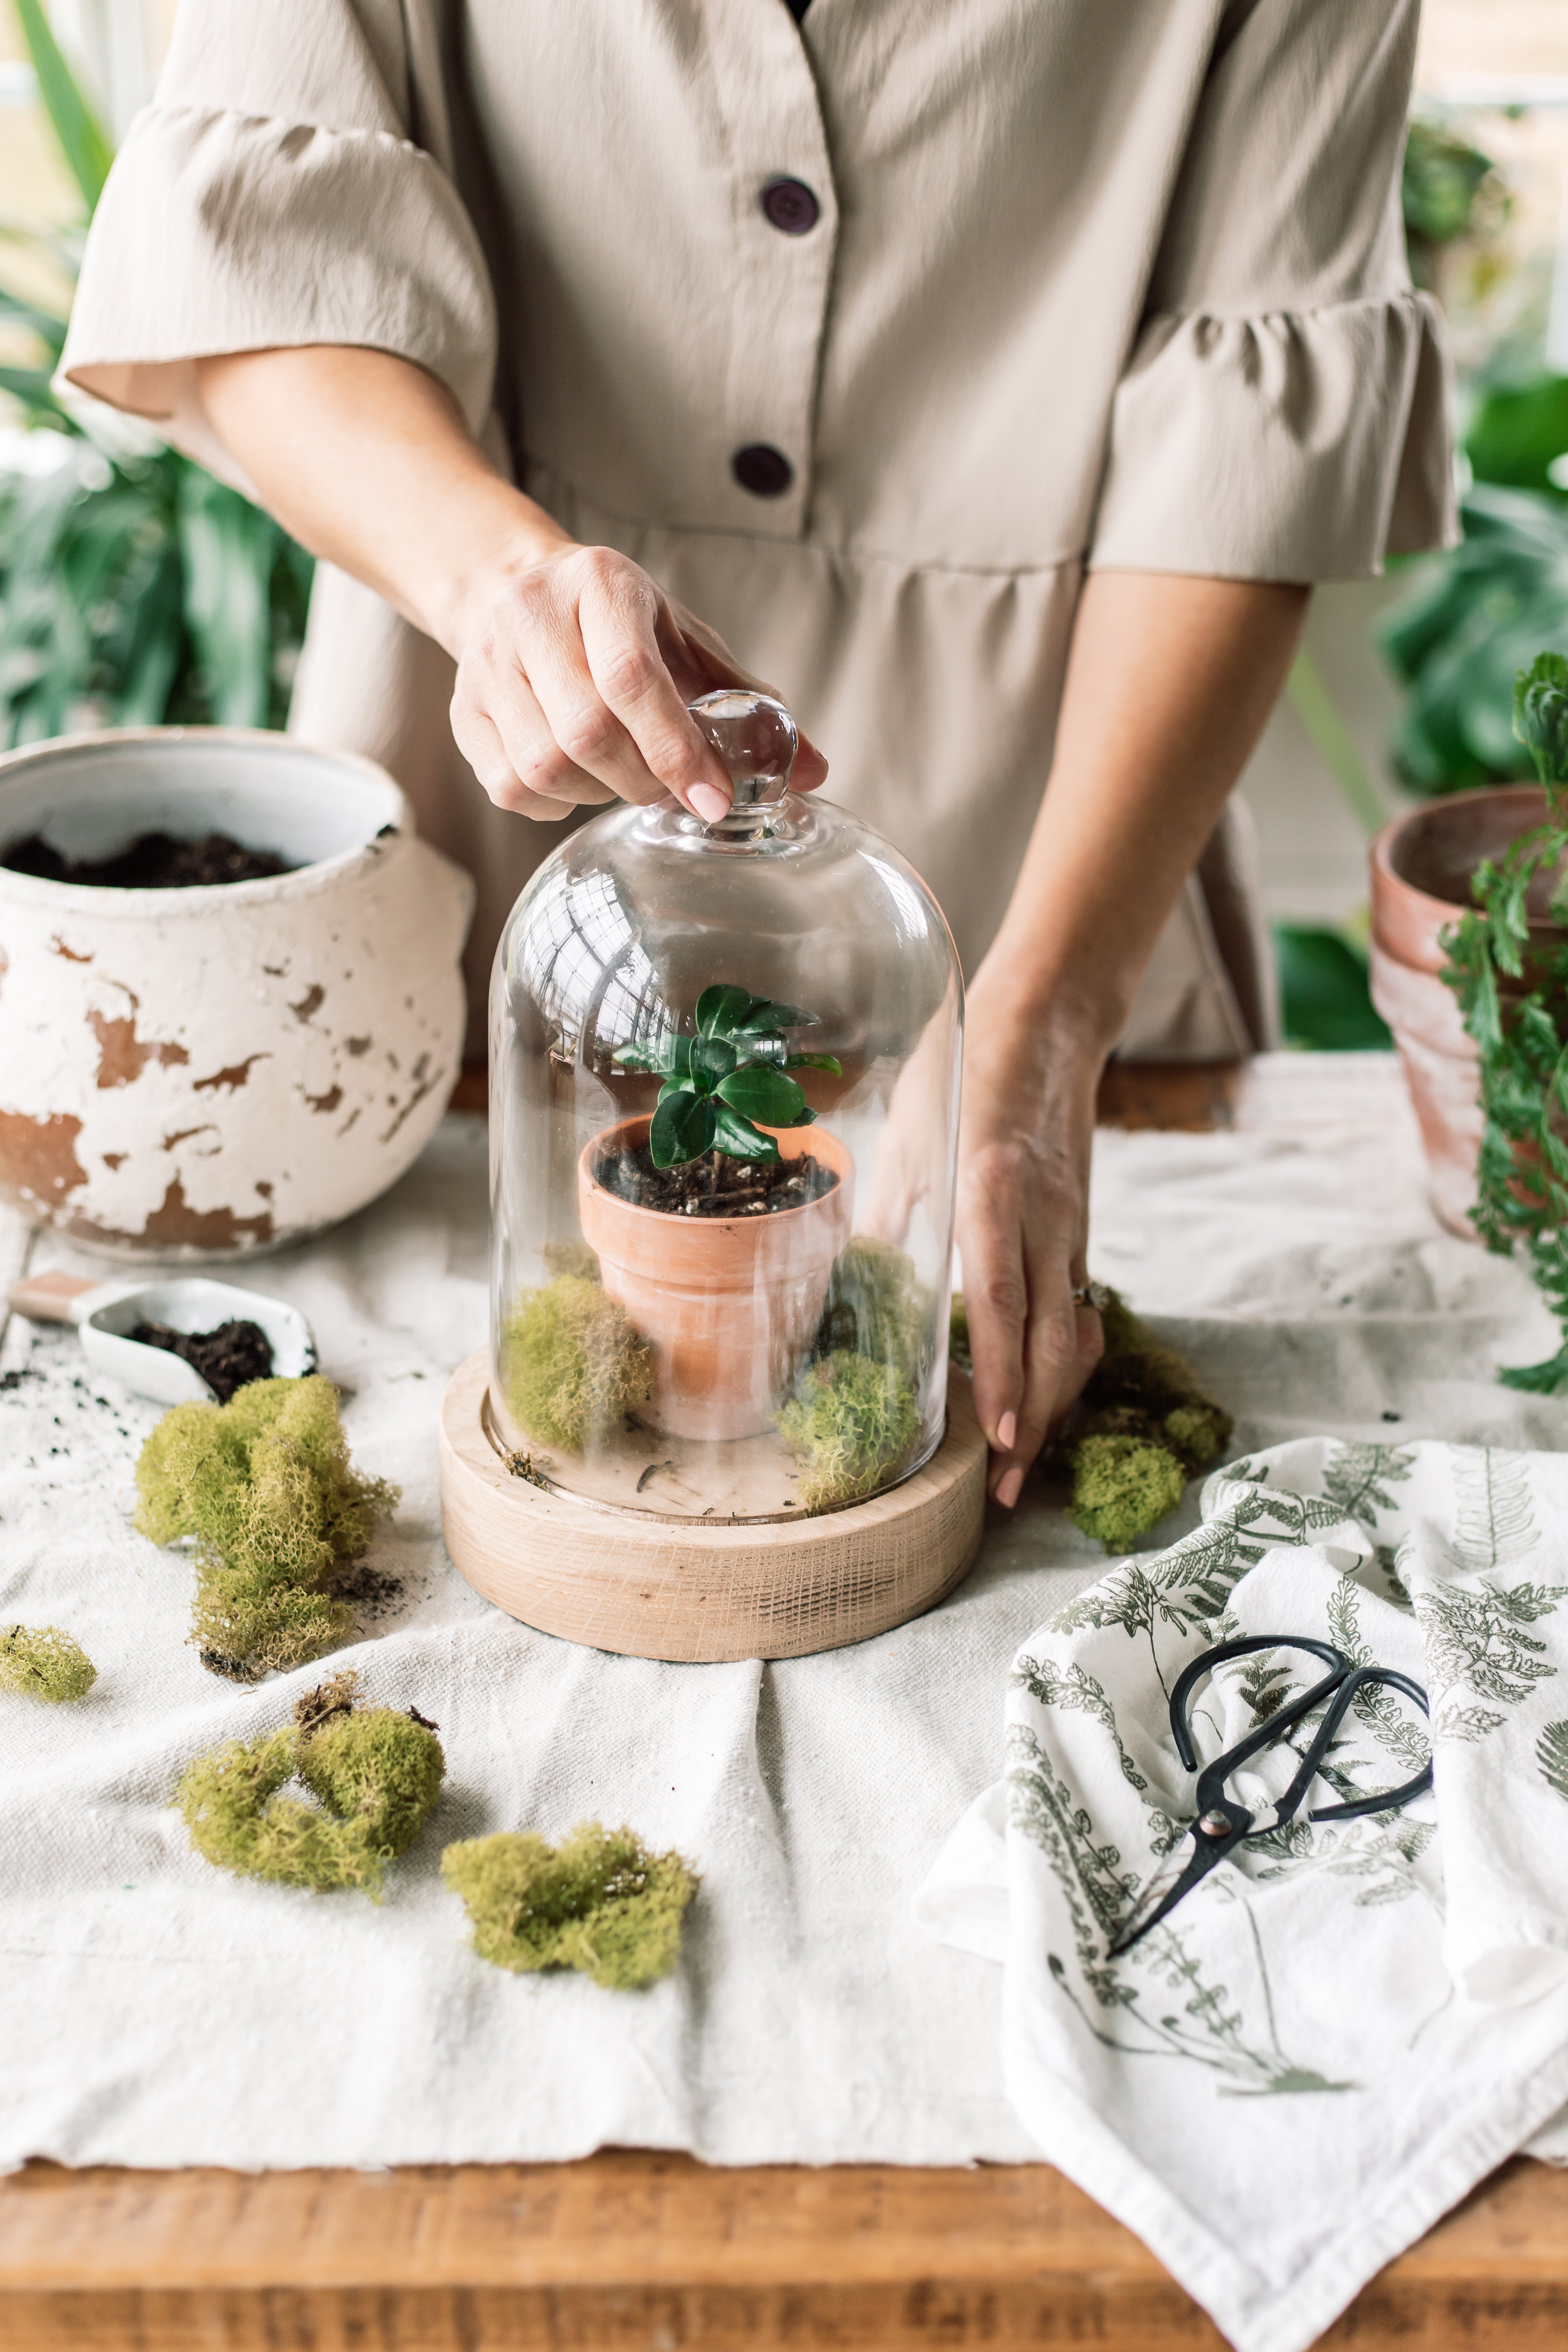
(756, 739)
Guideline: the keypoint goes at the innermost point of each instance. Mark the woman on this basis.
(994, 374)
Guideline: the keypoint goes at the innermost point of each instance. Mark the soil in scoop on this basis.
(715, 1185)
(153, 861)
(228, 1358)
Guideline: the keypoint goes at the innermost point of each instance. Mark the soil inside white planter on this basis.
(153, 861)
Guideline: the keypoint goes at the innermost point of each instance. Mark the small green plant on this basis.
(265, 1486)
(599, 1902)
(850, 1422)
(42, 1662)
(572, 1365)
(733, 1074)
(376, 1775)
(1513, 994)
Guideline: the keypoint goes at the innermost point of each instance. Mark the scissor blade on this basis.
(1166, 1889)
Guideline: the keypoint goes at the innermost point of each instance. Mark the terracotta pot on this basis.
(204, 1073)
(1421, 869)
(727, 1302)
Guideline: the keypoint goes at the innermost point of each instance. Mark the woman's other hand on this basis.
(574, 668)
(1023, 1221)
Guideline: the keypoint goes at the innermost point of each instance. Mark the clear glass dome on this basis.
(724, 1075)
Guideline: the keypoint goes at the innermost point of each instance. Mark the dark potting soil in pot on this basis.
(153, 861)
(228, 1358)
(715, 1185)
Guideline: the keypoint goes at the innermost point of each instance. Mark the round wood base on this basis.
(682, 1590)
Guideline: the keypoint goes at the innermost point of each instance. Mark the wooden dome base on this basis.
(688, 1591)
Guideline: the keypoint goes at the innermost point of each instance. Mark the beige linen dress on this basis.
(1089, 282)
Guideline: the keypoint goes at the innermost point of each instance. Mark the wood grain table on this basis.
(631, 2250)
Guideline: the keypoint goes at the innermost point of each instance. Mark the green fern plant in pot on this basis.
(1508, 966)
(717, 1217)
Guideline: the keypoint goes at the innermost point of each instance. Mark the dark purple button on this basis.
(791, 206)
(763, 470)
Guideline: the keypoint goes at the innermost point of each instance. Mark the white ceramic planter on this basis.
(206, 1073)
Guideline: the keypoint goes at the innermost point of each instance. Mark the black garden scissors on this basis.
(1222, 1823)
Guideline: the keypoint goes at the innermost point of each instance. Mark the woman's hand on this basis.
(573, 673)
(1023, 1220)
(574, 668)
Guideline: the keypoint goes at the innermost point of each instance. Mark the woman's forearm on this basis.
(574, 669)
(1169, 683)
(366, 460)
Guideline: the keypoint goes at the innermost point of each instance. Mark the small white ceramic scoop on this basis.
(105, 1312)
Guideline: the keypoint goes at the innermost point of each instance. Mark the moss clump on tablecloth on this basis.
(265, 1486)
(599, 1902)
(1122, 1486)
(850, 1423)
(376, 1773)
(42, 1662)
(1143, 1428)
(572, 1365)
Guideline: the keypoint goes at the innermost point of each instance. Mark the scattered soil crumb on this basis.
(228, 1358)
(365, 1588)
(715, 1185)
(153, 861)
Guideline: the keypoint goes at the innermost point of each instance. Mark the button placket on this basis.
(784, 215)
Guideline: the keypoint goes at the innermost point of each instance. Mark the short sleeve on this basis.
(1284, 413)
(271, 196)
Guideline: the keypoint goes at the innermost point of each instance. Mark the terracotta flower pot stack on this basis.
(1421, 869)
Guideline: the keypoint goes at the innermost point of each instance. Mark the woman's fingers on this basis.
(1021, 1240)
(569, 676)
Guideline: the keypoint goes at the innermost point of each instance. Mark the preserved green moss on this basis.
(42, 1662)
(850, 1423)
(572, 1365)
(1122, 1486)
(599, 1902)
(876, 1307)
(376, 1775)
(265, 1486)
(1144, 1427)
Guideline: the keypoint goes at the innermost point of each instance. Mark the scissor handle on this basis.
(1247, 1645)
(1388, 1801)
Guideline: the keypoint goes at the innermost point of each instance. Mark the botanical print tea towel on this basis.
(1343, 2027)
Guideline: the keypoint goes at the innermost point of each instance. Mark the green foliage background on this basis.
(134, 588)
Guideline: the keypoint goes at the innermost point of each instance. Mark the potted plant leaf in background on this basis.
(135, 587)
(1470, 969)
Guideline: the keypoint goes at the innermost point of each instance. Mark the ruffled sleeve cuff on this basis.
(225, 232)
(1294, 446)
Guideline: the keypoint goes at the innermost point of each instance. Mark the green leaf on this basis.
(229, 548)
(828, 1062)
(719, 1008)
(1550, 1379)
(637, 1057)
(713, 1058)
(81, 136)
(742, 1141)
(1325, 1000)
(765, 1016)
(763, 1094)
(683, 1127)
(1541, 716)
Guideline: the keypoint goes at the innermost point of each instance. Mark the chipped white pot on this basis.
(206, 1073)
